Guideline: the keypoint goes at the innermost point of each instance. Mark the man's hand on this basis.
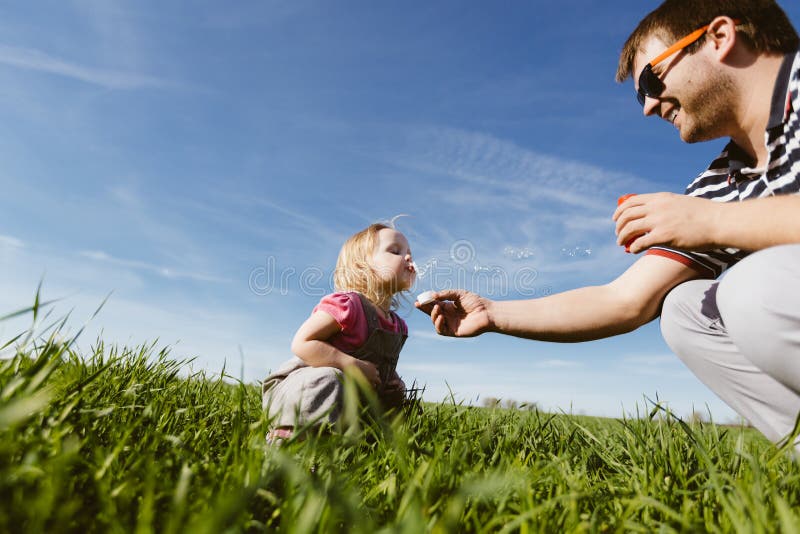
(677, 221)
(459, 313)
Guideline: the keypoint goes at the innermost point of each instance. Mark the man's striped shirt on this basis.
(729, 179)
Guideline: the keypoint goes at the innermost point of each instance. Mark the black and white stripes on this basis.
(729, 179)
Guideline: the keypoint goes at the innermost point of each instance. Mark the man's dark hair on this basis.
(763, 26)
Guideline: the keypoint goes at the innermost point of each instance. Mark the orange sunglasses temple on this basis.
(686, 41)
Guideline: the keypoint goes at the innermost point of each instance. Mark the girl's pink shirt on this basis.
(346, 310)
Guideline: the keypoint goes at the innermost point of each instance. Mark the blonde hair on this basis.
(354, 271)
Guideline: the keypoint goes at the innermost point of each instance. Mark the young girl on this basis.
(354, 327)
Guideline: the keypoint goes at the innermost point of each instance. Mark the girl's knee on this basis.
(325, 379)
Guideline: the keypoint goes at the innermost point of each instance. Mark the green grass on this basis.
(122, 440)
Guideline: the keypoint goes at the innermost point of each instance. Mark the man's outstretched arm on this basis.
(583, 314)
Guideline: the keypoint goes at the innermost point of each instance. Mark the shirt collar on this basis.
(781, 95)
(780, 107)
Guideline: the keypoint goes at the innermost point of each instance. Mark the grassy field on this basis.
(121, 440)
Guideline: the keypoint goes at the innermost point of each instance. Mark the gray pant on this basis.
(297, 394)
(741, 336)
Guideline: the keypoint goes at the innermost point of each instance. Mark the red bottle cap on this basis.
(620, 200)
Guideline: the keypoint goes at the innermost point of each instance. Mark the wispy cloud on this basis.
(461, 369)
(308, 224)
(471, 199)
(166, 272)
(126, 196)
(665, 365)
(507, 168)
(432, 335)
(10, 242)
(651, 359)
(557, 364)
(36, 60)
(445, 369)
(162, 221)
(497, 194)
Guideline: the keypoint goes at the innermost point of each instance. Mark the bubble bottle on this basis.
(620, 200)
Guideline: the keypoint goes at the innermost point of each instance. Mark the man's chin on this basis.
(690, 136)
(692, 132)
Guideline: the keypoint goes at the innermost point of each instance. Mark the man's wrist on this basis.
(726, 224)
(720, 223)
(491, 318)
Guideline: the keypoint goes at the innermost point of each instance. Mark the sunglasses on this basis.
(649, 83)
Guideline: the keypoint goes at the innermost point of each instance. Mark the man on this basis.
(712, 68)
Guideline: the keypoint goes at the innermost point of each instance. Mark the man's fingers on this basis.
(441, 325)
(630, 215)
(641, 243)
(448, 294)
(425, 308)
(633, 200)
(633, 230)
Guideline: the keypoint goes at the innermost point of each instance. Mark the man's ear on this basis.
(722, 35)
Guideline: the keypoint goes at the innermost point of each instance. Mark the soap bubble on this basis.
(423, 271)
(517, 253)
(576, 252)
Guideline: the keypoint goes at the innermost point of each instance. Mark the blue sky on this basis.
(205, 161)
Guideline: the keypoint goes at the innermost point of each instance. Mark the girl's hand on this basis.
(369, 371)
(395, 383)
(394, 392)
(460, 313)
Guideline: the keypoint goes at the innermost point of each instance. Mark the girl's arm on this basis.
(311, 345)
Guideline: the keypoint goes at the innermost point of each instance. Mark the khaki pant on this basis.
(741, 336)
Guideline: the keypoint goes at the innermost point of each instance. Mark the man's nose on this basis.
(650, 105)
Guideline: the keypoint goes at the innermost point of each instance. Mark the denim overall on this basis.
(382, 346)
(297, 394)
